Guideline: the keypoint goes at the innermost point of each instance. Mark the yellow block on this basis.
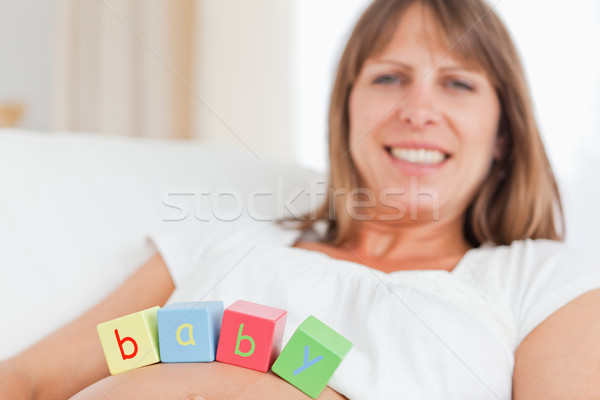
(131, 341)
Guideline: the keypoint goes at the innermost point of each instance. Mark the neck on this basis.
(433, 240)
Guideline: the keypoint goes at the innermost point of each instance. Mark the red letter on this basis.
(121, 341)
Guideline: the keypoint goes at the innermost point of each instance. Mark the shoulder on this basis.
(553, 293)
(202, 236)
(247, 231)
(185, 248)
(529, 263)
(528, 250)
(531, 260)
(535, 277)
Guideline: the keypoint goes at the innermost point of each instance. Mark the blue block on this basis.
(189, 332)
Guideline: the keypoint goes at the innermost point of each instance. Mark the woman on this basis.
(439, 184)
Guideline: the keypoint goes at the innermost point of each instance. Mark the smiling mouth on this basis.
(418, 156)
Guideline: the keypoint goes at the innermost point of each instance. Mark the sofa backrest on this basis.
(75, 210)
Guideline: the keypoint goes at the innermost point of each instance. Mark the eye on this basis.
(387, 80)
(459, 85)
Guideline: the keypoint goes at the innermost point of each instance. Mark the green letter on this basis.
(239, 339)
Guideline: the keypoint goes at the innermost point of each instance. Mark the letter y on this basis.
(307, 363)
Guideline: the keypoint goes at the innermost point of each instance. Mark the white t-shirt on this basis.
(422, 334)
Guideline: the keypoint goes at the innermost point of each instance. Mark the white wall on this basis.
(321, 29)
(560, 48)
(244, 75)
(26, 58)
(560, 44)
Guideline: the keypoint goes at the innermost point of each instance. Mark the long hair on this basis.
(519, 198)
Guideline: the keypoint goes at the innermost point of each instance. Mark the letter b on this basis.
(120, 343)
(241, 337)
(122, 356)
(258, 348)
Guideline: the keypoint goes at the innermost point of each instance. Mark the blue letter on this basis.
(306, 362)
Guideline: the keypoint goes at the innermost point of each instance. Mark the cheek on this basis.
(368, 112)
(479, 130)
(359, 117)
(480, 136)
(364, 147)
(356, 126)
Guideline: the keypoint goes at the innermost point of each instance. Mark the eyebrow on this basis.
(410, 68)
(398, 63)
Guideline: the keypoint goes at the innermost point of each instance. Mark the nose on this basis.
(417, 108)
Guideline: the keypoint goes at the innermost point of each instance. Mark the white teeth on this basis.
(418, 156)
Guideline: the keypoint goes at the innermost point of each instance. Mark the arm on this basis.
(560, 358)
(71, 358)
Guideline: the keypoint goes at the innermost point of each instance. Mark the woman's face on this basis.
(422, 125)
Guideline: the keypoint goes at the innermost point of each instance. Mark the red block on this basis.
(251, 335)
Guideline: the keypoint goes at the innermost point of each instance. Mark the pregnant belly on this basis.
(196, 381)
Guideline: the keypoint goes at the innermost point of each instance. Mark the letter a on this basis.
(190, 333)
(126, 339)
(307, 363)
(244, 337)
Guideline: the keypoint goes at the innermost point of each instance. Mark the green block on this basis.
(311, 356)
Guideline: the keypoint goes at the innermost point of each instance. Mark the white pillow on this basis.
(75, 210)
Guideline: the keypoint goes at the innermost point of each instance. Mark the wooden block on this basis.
(189, 332)
(311, 356)
(131, 341)
(251, 335)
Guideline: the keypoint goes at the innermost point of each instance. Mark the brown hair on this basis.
(519, 198)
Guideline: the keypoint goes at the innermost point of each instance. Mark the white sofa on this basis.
(75, 210)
